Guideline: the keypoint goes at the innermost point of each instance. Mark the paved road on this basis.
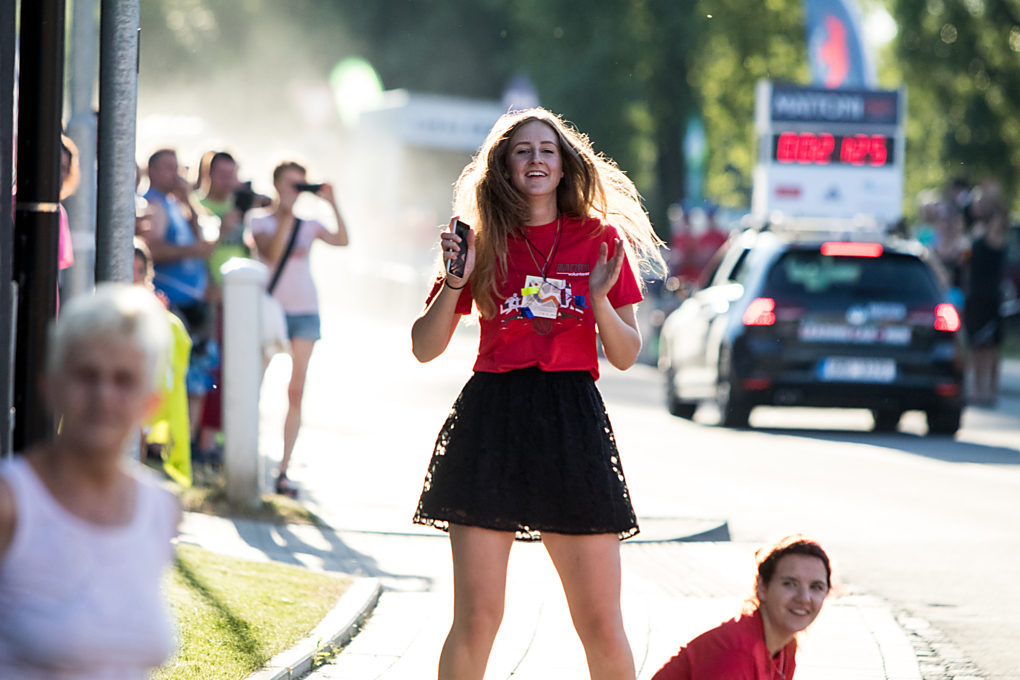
(930, 526)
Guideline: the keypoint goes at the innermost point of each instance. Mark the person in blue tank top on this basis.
(179, 252)
(180, 259)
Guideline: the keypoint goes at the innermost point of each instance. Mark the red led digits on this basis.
(878, 151)
(786, 149)
(805, 148)
(853, 149)
(826, 145)
(808, 148)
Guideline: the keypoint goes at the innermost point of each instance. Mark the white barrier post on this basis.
(244, 284)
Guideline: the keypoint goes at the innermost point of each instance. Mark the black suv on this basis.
(822, 316)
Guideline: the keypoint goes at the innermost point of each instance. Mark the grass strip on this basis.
(234, 615)
(209, 496)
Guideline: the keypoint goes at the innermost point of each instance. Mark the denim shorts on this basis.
(305, 326)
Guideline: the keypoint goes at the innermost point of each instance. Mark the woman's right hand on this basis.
(451, 244)
(432, 330)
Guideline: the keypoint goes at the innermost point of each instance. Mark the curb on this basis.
(333, 632)
(682, 529)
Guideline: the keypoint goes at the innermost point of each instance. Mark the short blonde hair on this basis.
(119, 309)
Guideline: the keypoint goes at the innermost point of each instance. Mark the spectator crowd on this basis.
(185, 232)
(968, 228)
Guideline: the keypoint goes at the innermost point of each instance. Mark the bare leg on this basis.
(480, 559)
(983, 359)
(993, 372)
(195, 405)
(589, 568)
(301, 349)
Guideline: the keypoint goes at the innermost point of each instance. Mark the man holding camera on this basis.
(224, 196)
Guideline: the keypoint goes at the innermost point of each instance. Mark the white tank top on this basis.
(79, 601)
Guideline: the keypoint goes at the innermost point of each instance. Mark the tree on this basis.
(745, 42)
(960, 60)
(629, 73)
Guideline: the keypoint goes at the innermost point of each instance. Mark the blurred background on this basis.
(363, 90)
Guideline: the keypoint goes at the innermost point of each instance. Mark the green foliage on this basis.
(618, 70)
(746, 42)
(961, 61)
(629, 73)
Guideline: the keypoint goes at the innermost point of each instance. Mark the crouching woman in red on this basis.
(794, 578)
(528, 450)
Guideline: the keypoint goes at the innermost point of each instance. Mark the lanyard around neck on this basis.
(532, 249)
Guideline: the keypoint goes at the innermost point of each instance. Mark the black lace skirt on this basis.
(528, 451)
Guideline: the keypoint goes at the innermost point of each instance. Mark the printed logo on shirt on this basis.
(542, 302)
(573, 269)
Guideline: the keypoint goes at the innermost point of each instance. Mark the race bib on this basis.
(542, 298)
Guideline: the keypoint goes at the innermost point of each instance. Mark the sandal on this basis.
(284, 488)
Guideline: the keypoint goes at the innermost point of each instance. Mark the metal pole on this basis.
(118, 111)
(37, 225)
(7, 290)
(81, 128)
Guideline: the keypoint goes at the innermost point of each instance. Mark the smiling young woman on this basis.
(528, 451)
(794, 578)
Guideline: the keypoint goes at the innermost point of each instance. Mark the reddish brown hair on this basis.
(796, 544)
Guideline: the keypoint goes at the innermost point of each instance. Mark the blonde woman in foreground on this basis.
(85, 536)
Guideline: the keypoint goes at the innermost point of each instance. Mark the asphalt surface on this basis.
(925, 526)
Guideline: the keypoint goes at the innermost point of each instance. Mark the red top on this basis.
(733, 651)
(549, 325)
(685, 255)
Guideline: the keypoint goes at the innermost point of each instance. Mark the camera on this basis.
(244, 198)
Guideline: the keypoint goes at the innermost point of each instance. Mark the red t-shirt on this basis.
(734, 650)
(549, 325)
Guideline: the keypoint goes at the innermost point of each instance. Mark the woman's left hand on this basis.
(606, 271)
(325, 192)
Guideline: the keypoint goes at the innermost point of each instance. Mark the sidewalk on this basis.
(671, 592)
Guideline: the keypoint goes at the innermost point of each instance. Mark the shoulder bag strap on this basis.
(286, 254)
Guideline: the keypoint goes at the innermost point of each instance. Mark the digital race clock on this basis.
(829, 153)
(822, 148)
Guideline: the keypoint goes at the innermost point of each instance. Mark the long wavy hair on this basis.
(592, 186)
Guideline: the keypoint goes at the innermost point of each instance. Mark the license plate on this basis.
(852, 369)
(859, 335)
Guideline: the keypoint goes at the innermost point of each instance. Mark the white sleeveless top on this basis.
(82, 601)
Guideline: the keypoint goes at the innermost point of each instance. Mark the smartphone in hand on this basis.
(456, 266)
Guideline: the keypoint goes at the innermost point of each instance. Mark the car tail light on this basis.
(761, 312)
(849, 249)
(947, 390)
(754, 384)
(946, 318)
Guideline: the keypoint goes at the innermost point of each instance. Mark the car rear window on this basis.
(799, 274)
